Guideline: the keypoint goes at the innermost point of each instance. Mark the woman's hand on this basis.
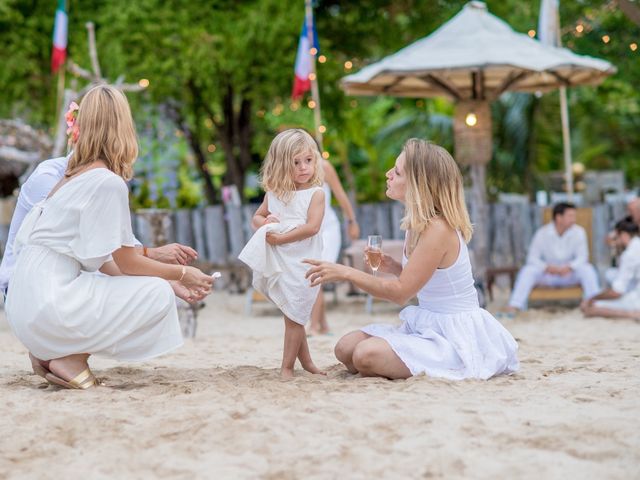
(325, 272)
(387, 264)
(173, 253)
(196, 281)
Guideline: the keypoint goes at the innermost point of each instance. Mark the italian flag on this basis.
(59, 53)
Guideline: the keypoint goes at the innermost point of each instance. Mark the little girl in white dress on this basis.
(288, 225)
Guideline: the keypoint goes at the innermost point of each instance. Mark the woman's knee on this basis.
(365, 355)
(345, 346)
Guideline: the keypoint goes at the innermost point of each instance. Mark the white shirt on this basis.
(35, 189)
(628, 277)
(549, 248)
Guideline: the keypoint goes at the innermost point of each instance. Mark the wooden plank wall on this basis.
(219, 233)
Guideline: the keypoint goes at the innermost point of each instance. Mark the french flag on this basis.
(59, 52)
(301, 82)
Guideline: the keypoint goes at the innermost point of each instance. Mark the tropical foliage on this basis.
(220, 74)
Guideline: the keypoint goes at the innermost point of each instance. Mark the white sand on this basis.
(217, 409)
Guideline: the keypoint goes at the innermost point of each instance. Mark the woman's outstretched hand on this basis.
(324, 272)
(196, 281)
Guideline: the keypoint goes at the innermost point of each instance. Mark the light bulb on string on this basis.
(471, 119)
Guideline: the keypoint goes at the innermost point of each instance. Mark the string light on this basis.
(531, 33)
(311, 104)
(294, 106)
(471, 119)
(325, 155)
(312, 76)
(322, 59)
(322, 129)
(143, 82)
(208, 123)
(348, 65)
(313, 51)
(633, 47)
(606, 38)
(211, 148)
(579, 28)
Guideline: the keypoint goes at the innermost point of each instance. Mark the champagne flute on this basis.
(374, 252)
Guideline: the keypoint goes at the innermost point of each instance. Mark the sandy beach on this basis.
(216, 408)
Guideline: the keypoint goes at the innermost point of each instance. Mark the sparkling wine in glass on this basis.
(374, 252)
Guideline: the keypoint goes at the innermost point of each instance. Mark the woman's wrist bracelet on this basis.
(145, 252)
(184, 270)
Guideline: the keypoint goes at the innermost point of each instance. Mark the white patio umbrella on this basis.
(473, 59)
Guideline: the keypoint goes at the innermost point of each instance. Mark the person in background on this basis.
(622, 300)
(558, 257)
(332, 237)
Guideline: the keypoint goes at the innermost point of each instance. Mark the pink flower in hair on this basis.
(71, 117)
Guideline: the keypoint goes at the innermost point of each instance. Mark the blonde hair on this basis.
(434, 190)
(277, 169)
(106, 132)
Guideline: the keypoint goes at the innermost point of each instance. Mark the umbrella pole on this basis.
(566, 142)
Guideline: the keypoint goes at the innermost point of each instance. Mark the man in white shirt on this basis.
(37, 188)
(558, 257)
(622, 300)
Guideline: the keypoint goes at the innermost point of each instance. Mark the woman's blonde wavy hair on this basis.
(276, 173)
(434, 190)
(106, 132)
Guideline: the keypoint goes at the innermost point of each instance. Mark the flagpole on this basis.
(60, 94)
(566, 142)
(564, 118)
(315, 93)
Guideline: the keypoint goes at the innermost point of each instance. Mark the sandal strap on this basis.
(83, 380)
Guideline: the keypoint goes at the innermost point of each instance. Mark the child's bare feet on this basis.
(311, 368)
(286, 373)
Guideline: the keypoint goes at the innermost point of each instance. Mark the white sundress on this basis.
(448, 335)
(57, 304)
(278, 271)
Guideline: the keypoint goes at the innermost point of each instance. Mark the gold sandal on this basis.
(82, 381)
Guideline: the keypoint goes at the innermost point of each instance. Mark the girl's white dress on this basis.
(448, 335)
(331, 235)
(278, 271)
(57, 304)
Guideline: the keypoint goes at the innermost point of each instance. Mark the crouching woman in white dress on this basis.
(447, 334)
(58, 307)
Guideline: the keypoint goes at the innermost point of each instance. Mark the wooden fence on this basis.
(219, 233)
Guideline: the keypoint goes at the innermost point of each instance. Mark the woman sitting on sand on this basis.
(57, 306)
(447, 335)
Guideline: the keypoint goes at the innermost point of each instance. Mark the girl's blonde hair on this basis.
(277, 169)
(434, 190)
(106, 132)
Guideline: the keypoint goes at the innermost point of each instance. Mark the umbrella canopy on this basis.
(475, 55)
